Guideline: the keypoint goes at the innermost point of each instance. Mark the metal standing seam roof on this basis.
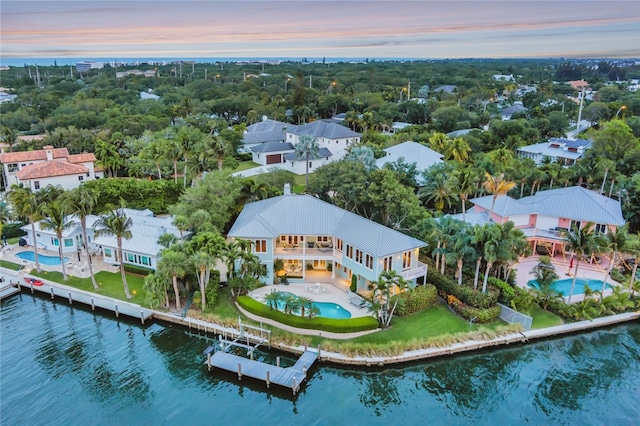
(548, 151)
(412, 152)
(307, 215)
(574, 202)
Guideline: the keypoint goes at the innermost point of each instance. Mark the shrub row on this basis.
(470, 313)
(507, 293)
(466, 294)
(416, 300)
(140, 270)
(350, 325)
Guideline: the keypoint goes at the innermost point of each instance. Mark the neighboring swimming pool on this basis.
(327, 309)
(44, 259)
(564, 285)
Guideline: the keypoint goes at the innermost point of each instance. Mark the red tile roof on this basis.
(39, 155)
(50, 169)
(81, 158)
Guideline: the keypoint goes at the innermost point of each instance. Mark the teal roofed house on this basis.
(318, 242)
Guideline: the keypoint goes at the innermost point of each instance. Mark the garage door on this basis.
(274, 158)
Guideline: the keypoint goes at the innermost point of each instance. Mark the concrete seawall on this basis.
(73, 295)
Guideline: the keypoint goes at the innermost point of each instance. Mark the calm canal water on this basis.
(63, 365)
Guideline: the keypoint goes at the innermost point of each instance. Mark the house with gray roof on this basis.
(411, 152)
(563, 151)
(544, 217)
(508, 112)
(316, 240)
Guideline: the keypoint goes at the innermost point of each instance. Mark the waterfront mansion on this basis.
(315, 240)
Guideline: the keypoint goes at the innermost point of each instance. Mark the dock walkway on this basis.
(8, 289)
(288, 377)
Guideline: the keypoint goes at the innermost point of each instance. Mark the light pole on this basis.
(620, 109)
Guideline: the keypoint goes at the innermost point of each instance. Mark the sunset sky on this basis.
(319, 28)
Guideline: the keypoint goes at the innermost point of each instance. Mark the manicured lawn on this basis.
(299, 183)
(110, 284)
(542, 318)
(10, 265)
(13, 240)
(435, 321)
(246, 165)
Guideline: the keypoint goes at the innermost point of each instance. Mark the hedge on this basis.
(416, 300)
(12, 230)
(470, 313)
(507, 293)
(211, 289)
(465, 293)
(155, 195)
(350, 325)
(137, 269)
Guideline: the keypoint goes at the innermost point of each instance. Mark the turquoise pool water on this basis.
(44, 259)
(564, 285)
(327, 310)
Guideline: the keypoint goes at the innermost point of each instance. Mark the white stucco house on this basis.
(48, 166)
(563, 151)
(317, 240)
(141, 250)
(272, 144)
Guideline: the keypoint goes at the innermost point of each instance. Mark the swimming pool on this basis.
(564, 285)
(327, 309)
(44, 259)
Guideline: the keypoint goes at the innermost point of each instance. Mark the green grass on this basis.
(110, 284)
(542, 318)
(10, 265)
(299, 183)
(435, 321)
(245, 165)
(13, 240)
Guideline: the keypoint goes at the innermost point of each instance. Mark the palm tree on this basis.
(273, 299)
(56, 220)
(9, 136)
(305, 305)
(632, 247)
(613, 241)
(155, 290)
(172, 265)
(5, 215)
(25, 204)
(459, 150)
(461, 248)
(546, 276)
(307, 147)
(497, 186)
(81, 202)
(387, 285)
(203, 263)
(115, 223)
(581, 242)
(439, 143)
(463, 184)
(438, 189)
(364, 155)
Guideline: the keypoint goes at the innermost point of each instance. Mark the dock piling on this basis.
(31, 288)
(141, 316)
(93, 305)
(70, 299)
(116, 308)
(278, 361)
(239, 371)
(268, 379)
(52, 295)
(209, 360)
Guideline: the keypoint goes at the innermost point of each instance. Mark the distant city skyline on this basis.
(320, 28)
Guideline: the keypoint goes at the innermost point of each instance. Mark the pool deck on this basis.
(74, 267)
(586, 270)
(322, 292)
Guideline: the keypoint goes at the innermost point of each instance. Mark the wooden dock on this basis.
(8, 289)
(289, 377)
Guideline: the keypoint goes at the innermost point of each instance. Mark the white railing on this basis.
(416, 272)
